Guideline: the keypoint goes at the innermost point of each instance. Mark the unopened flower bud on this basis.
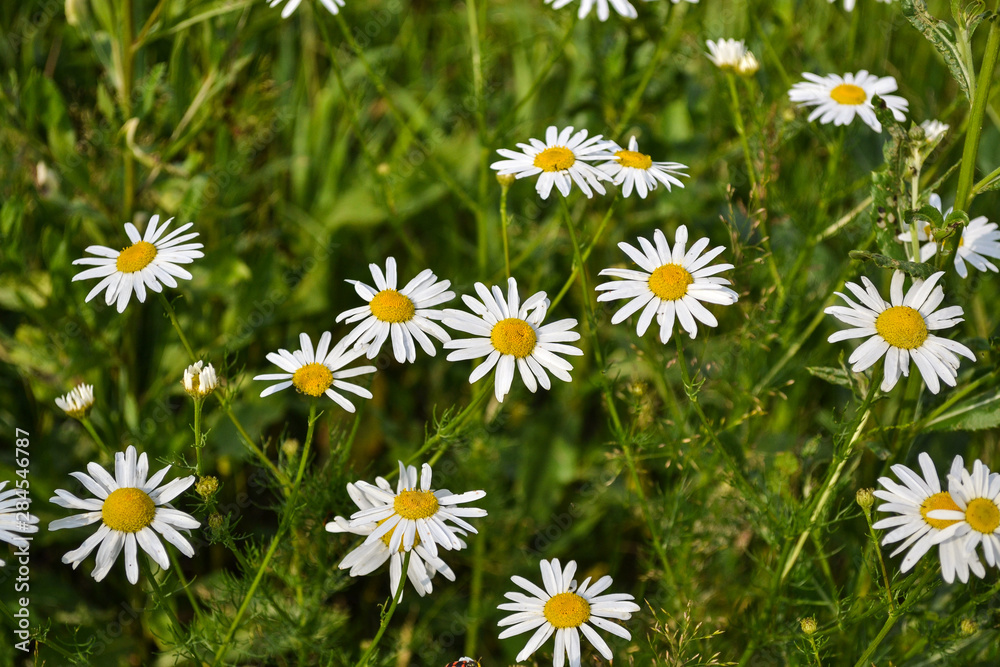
(215, 521)
(506, 180)
(808, 625)
(748, 65)
(200, 380)
(290, 447)
(206, 487)
(968, 627)
(865, 498)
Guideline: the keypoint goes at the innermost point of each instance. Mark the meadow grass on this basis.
(714, 478)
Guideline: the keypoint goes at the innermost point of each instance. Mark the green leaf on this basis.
(942, 37)
(915, 269)
(975, 414)
(926, 214)
(837, 376)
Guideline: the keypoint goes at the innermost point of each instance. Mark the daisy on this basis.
(976, 519)
(934, 130)
(672, 284)
(332, 6)
(200, 380)
(912, 503)
(561, 161)
(727, 53)
(900, 330)
(839, 98)
(849, 4)
(980, 239)
(565, 610)
(369, 556)
(315, 374)
(14, 519)
(510, 334)
(78, 402)
(634, 169)
(418, 511)
(149, 261)
(131, 509)
(621, 6)
(404, 315)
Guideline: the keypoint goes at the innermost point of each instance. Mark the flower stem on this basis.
(261, 456)
(388, 615)
(586, 253)
(889, 622)
(198, 401)
(126, 90)
(975, 126)
(105, 450)
(504, 221)
(881, 561)
(177, 327)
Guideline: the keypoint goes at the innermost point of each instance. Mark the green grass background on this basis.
(240, 125)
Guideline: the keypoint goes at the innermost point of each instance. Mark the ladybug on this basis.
(464, 662)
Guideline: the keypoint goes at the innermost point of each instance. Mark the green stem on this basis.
(448, 430)
(815, 648)
(482, 229)
(586, 253)
(283, 526)
(864, 661)
(105, 450)
(975, 126)
(388, 615)
(185, 584)
(171, 612)
(177, 327)
(881, 560)
(475, 594)
(198, 401)
(281, 476)
(504, 221)
(126, 74)
(986, 181)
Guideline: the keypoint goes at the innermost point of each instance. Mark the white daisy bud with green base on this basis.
(132, 510)
(900, 330)
(317, 372)
(78, 402)
(405, 316)
(838, 99)
(565, 610)
(511, 336)
(934, 130)
(975, 519)
(332, 6)
(150, 260)
(727, 54)
(200, 380)
(15, 522)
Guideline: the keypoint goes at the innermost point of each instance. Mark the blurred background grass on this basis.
(235, 119)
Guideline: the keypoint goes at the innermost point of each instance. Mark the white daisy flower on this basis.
(78, 402)
(912, 503)
(561, 161)
(369, 556)
(934, 130)
(630, 168)
(131, 509)
(332, 6)
(510, 334)
(849, 4)
(149, 261)
(621, 6)
(671, 285)
(976, 520)
(200, 380)
(315, 374)
(418, 511)
(838, 99)
(900, 330)
(404, 315)
(14, 519)
(727, 54)
(980, 239)
(564, 610)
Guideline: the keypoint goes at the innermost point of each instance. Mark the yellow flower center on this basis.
(983, 515)
(939, 501)
(902, 327)
(634, 159)
(415, 504)
(566, 610)
(312, 379)
(513, 336)
(670, 282)
(128, 510)
(391, 306)
(136, 257)
(556, 158)
(387, 538)
(848, 93)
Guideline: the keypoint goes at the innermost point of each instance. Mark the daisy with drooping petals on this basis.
(561, 161)
(727, 54)
(623, 7)
(900, 330)
(912, 504)
(132, 510)
(838, 99)
(934, 130)
(368, 557)
(671, 285)
(14, 518)
(630, 168)
(976, 519)
(78, 402)
(416, 512)
(149, 261)
(315, 374)
(332, 6)
(404, 316)
(980, 239)
(564, 610)
(510, 335)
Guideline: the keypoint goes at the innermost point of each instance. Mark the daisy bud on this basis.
(290, 447)
(77, 403)
(808, 625)
(748, 65)
(968, 627)
(865, 498)
(934, 130)
(215, 521)
(383, 169)
(506, 180)
(200, 380)
(207, 486)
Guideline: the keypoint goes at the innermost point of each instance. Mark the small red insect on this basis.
(464, 662)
